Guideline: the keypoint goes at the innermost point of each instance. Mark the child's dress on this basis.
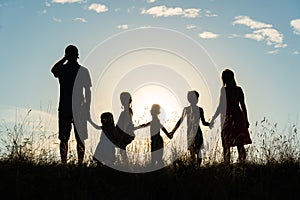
(105, 150)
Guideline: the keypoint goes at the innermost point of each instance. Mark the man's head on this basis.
(71, 53)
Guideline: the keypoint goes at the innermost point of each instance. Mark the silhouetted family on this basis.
(74, 108)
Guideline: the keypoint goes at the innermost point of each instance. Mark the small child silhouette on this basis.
(157, 142)
(194, 133)
(105, 151)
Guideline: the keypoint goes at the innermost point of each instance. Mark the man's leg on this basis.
(80, 144)
(63, 147)
(64, 122)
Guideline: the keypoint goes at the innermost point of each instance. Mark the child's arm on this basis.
(94, 124)
(141, 126)
(204, 122)
(178, 122)
(170, 136)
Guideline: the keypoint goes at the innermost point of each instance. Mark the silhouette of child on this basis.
(157, 142)
(125, 127)
(194, 133)
(105, 150)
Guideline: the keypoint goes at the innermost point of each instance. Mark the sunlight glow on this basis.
(150, 94)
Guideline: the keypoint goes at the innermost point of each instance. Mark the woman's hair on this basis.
(228, 78)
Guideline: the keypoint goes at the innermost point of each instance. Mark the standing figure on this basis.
(125, 127)
(234, 118)
(194, 133)
(105, 151)
(74, 101)
(157, 142)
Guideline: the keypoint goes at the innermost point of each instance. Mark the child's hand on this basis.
(211, 124)
(94, 124)
(170, 135)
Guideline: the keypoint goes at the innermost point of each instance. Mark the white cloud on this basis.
(191, 12)
(208, 35)
(123, 26)
(247, 21)
(67, 1)
(191, 26)
(129, 10)
(295, 24)
(146, 26)
(208, 13)
(79, 19)
(47, 4)
(295, 52)
(151, 1)
(235, 36)
(43, 12)
(262, 32)
(254, 36)
(163, 11)
(57, 20)
(273, 51)
(270, 35)
(99, 8)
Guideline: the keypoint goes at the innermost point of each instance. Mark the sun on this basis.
(147, 95)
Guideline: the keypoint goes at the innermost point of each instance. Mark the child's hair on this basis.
(107, 119)
(155, 109)
(108, 126)
(125, 98)
(193, 96)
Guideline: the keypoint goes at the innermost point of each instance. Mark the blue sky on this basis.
(259, 40)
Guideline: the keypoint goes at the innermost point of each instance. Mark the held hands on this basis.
(170, 135)
(211, 124)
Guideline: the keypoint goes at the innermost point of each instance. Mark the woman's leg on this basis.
(242, 153)
(226, 154)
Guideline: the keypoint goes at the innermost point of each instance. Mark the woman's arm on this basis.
(243, 106)
(221, 105)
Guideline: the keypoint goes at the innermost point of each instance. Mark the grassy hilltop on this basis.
(272, 171)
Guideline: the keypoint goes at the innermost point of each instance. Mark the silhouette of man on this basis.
(74, 101)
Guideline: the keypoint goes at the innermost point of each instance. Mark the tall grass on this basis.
(29, 168)
(29, 141)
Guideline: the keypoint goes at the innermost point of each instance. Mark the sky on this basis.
(258, 40)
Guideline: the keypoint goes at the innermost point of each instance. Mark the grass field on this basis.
(251, 181)
(272, 171)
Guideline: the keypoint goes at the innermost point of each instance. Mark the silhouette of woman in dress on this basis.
(234, 118)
